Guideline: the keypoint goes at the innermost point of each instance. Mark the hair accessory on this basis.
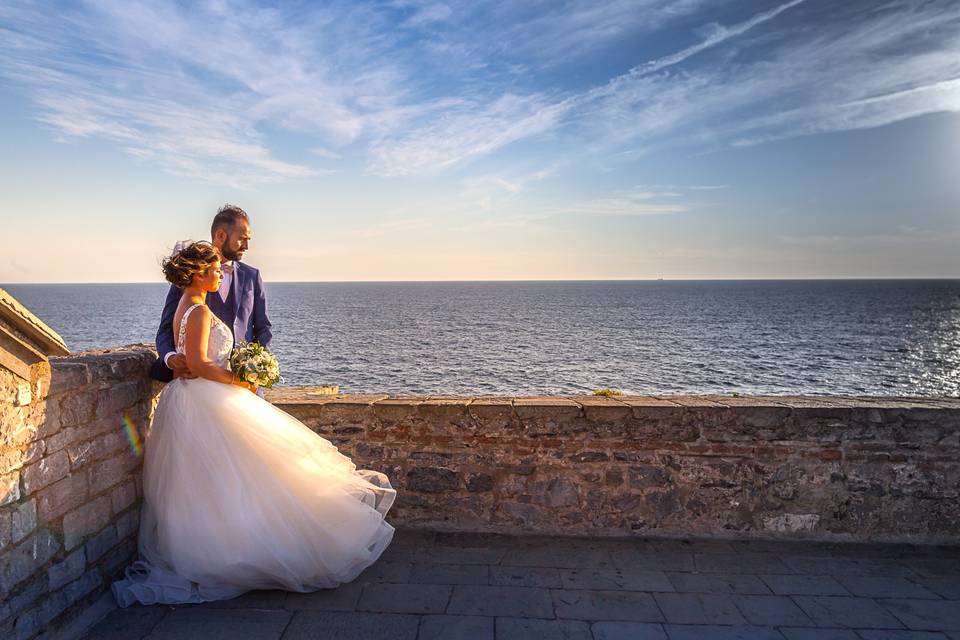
(180, 246)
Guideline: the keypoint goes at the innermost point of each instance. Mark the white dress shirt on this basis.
(224, 289)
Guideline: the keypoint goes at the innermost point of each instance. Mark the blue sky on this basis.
(416, 140)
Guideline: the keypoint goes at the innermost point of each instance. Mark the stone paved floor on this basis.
(437, 586)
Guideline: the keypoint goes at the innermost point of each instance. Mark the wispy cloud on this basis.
(192, 89)
(864, 69)
(718, 35)
(471, 131)
(628, 202)
(216, 91)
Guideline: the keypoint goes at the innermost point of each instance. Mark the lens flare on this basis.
(133, 436)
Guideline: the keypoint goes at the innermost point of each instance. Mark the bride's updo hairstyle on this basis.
(193, 259)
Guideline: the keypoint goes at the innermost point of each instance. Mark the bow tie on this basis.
(227, 268)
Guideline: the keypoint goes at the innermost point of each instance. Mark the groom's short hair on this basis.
(226, 217)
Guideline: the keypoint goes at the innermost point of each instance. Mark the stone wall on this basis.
(69, 485)
(825, 468)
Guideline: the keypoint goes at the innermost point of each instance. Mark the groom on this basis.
(240, 303)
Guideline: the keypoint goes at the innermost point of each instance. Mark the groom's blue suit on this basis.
(245, 312)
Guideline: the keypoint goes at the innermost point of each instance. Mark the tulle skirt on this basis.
(239, 495)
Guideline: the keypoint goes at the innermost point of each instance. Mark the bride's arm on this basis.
(198, 334)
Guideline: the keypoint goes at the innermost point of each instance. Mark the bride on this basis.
(239, 495)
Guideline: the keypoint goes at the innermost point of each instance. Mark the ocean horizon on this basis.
(894, 336)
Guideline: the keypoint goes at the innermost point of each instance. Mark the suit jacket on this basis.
(245, 312)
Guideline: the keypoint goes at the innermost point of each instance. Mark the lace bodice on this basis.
(219, 344)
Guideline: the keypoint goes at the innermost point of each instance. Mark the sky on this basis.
(476, 140)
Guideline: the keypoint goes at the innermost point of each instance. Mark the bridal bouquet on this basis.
(253, 363)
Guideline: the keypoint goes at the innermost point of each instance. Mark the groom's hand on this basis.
(178, 363)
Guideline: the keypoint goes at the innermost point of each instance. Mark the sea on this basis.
(865, 337)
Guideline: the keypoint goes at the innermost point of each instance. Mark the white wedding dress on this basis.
(239, 495)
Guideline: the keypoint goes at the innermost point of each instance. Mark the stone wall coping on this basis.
(31, 326)
(308, 395)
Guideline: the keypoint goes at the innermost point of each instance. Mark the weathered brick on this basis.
(26, 558)
(72, 435)
(117, 398)
(87, 519)
(123, 496)
(50, 422)
(116, 559)
(95, 449)
(432, 479)
(62, 496)
(23, 520)
(101, 543)
(45, 472)
(67, 570)
(19, 457)
(67, 376)
(479, 482)
(56, 603)
(112, 471)
(9, 488)
(26, 595)
(77, 408)
(128, 523)
(6, 518)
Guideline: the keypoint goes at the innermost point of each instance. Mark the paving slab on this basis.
(221, 624)
(713, 632)
(482, 586)
(527, 629)
(463, 555)
(608, 630)
(674, 545)
(847, 612)
(752, 563)
(518, 602)
(443, 627)
(933, 615)
(896, 634)
(343, 598)
(818, 633)
(717, 583)
(835, 566)
(770, 611)
(404, 598)
(885, 587)
(387, 572)
(699, 609)
(131, 623)
(623, 579)
(653, 562)
(450, 574)
(558, 557)
(258, 599)
(948, 588)
(804, 585)
(934, 567)
(546, 577)
(311, 625)
(606, 605)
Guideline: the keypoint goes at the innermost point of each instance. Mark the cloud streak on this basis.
(238, 93)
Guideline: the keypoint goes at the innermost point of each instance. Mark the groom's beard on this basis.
(230, 254)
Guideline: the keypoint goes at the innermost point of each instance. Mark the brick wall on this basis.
(69, 485)
(824, 468)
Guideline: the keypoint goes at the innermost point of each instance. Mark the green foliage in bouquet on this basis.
(253, 363)
(607, 392)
